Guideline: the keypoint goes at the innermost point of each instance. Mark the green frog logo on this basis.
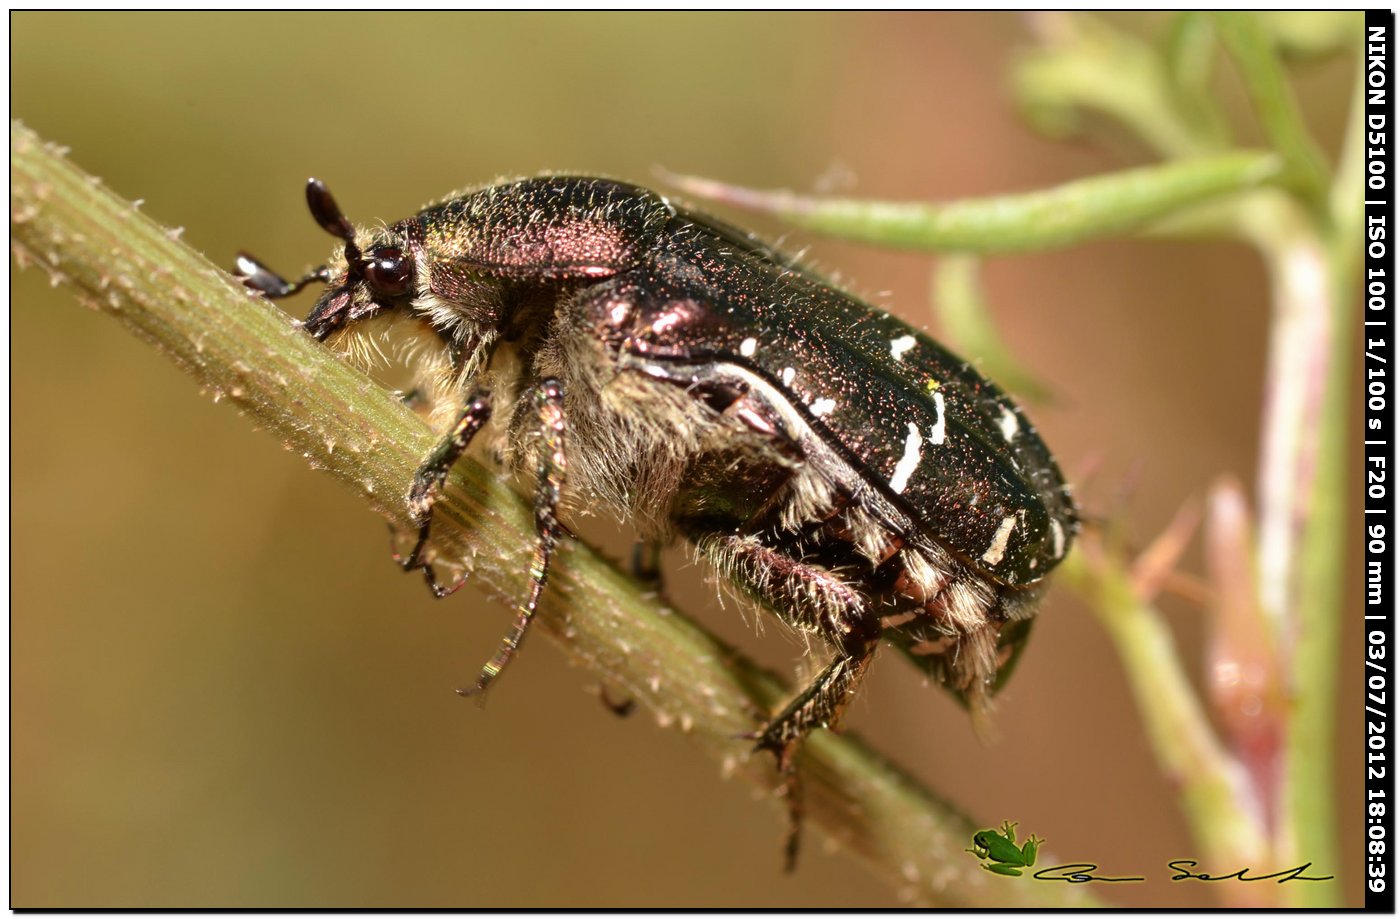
(998, 849)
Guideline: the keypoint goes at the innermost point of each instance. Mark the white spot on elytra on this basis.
(823, 406)
(788, 376)
(748, 346)
(997, 550)
(900, 345)
(1057, 533)
(913, 452)
(938, 432)
(1009, 425)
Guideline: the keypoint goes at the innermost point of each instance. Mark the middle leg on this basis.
(549, 486)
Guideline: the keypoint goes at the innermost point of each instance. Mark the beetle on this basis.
(832, 462)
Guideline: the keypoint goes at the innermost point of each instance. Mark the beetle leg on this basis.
(824, 701)
(813, 599)
(797, 812)
(428, 480)
(549, 484)
(621, 708)
(414, 398)
(646, 563)
(810, 598)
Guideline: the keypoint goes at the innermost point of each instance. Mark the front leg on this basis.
(428, 481)
(549, 485)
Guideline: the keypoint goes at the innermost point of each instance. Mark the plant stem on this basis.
(1082, 62)
(240, 348)
(1212, 786)
(1308, 799)
(1070, 213)
(1264, 79)
(957, 296)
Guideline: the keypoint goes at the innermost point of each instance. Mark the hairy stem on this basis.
(244, 351)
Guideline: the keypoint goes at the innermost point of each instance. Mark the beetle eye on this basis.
(388, 272)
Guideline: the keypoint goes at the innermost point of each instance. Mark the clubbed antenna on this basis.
(259, 277)
(328, 215)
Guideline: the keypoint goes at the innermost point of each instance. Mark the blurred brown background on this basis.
(223, 695)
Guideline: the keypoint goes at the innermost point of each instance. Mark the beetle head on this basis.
(364, 284)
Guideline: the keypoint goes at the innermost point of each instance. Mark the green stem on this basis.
(1213, 787)
(1083, 62)
(1308, 795)
(1312, 259)
(1071, 213)
(1264, 79)
(1310, 243)
(957, 296)
(244, 351)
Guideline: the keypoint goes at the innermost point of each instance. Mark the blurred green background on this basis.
(223, 695)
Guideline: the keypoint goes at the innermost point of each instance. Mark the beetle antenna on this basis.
(259, 277)
(329, 215)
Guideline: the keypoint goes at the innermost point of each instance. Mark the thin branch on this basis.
(959, 302)
(1264, 79)
(1071, 213)
(1317, 615)
(1213, 787)
(1083, 64)
(242, 350)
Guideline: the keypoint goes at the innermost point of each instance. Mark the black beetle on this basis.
(827, 458)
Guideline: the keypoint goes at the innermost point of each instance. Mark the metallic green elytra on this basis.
(644, 359)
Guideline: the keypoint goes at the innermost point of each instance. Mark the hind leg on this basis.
(813, 599)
